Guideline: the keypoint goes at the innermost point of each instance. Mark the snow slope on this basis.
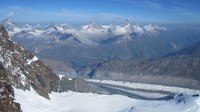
(71, 102)
(87, 102)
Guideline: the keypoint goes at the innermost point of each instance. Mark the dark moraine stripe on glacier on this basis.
(115, 89)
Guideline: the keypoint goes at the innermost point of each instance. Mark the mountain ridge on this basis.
(193, 50)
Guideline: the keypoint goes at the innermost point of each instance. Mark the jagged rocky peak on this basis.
(8, 21)
(9, 25)
(127, 22)
(91, 24)
(3, 32)
(52, 26)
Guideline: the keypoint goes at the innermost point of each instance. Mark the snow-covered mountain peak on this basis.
(38, 26)
(127, 23)
(52, 26)
(8, 21)
(10, 26)
(26, 27)
(65, 26)
(92, 25)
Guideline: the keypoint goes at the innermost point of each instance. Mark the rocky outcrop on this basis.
(74, 85)
(7, 101)
(22, 69)
(3, 32)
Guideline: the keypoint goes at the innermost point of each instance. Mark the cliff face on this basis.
(7, 103)
(24, 69)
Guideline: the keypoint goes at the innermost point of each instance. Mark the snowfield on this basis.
(71, 102)
(87, 102)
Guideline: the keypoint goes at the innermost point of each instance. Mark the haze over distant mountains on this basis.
(70, 50)
(78, 46)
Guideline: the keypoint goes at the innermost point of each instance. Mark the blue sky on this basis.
(101, 11)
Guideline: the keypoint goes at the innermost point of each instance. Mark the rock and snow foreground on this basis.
(87, 102)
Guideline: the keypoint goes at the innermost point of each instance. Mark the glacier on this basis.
(88, 102)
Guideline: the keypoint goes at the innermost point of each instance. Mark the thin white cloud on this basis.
(185, 12)
(81, 16)
(10, 14)
(66, 14)
(154, 28)
(183, 8)
(143, 3)
(153, 5)
(17, 8)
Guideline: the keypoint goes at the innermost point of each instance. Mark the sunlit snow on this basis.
(29, 61)
(87, 102)
(72, 102)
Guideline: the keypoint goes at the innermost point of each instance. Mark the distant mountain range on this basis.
(76, 47)
(90, 34)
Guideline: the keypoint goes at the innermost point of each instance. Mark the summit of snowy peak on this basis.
(26, 27)
(91, 25)
(65, 26)
(52, 26)
(10, 25)
(8, 21)
(127, 23)
(38, 26)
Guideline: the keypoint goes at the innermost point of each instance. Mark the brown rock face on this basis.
(24, 69)
(4, 32)
(7, 103)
